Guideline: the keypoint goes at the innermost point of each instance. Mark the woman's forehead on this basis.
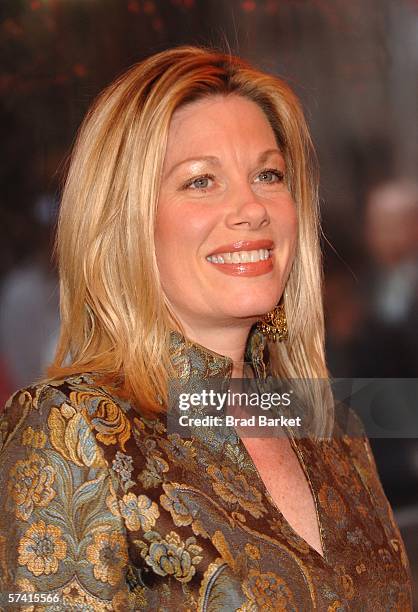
(208, 125)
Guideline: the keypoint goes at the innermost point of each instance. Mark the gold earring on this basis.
(274, 324)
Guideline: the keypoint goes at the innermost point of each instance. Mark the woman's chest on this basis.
(287, 485)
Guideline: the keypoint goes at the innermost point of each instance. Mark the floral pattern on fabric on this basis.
(110, 511)
(42, 548)
(269, 592)
(234, 488)
(30, 485)
(108, 555)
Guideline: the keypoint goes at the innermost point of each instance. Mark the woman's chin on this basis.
(251, 311)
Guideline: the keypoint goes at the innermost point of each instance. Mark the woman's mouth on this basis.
(237, 257)
(243, 263)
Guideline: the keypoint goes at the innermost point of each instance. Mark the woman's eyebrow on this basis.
(266, 154)
(215, 161)
(211, 159)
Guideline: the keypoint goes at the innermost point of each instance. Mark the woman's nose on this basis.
(247, 209)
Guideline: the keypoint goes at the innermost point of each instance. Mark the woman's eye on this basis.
(271, 176)
(201, 182)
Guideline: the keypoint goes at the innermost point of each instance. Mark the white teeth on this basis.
(240, 256)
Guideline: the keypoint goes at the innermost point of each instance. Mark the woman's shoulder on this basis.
(39, 393)
(67, 410)
(349, 432)
(355, 450)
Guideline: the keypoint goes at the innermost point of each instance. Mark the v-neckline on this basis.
(324, 557)
(192, 359)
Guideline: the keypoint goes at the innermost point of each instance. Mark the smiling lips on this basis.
(244, 258)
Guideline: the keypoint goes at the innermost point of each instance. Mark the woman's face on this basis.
(226, 223)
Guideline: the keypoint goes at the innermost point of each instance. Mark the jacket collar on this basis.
(192, 361)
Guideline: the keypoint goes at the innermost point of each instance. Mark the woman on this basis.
(189, 213)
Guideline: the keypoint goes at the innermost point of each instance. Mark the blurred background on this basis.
(353, 64)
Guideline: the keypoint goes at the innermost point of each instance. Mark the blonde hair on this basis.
(115, 318)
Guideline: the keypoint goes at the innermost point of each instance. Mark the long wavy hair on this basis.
(115, 318)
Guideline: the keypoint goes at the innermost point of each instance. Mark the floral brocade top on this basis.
(102, 509)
